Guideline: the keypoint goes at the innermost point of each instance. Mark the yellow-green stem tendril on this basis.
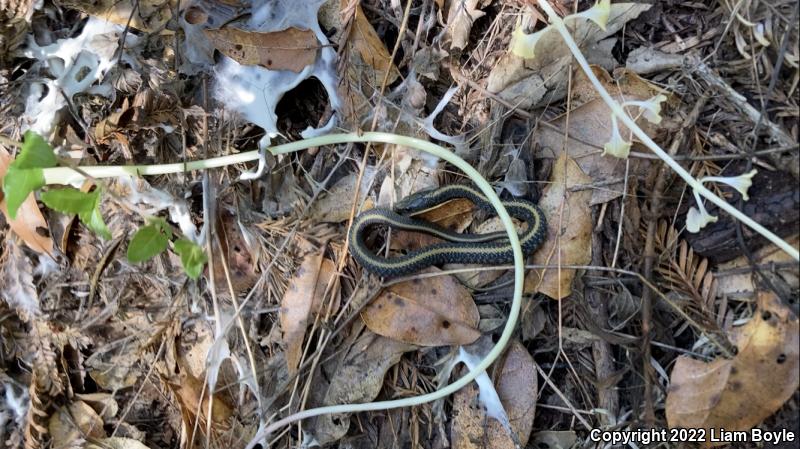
(556, 21)
(63, 175)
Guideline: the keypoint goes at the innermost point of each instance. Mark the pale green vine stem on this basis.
(556, 21)
(62, 175)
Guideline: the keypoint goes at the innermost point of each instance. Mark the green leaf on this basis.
(149, 241)
(35, 153)
(94, 221)
(70, 200)
(86, 205)
(18, 184)
(192, 257)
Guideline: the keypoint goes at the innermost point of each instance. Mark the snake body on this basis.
(485, 249)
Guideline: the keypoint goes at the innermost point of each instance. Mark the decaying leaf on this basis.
(366, 41)
(290, 49)
(70, 425)
(145, 15)
(302, 300)
(517, 387)
(193, 398)
(531, 83)
(569, 230)
(358, 378)
(590, 127)
(739, 393)
(117, 443)
(119, 372)
(432, 311)
(460, 18)
(742, 282)
(29, 224)
(103, 403)
(16, 278)
(334, 206)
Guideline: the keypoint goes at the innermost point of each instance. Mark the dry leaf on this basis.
(117, 443)
(742, 282)
(118, 373)
(29, 225)
(193, 398)
(460, 18)
(150, 15)
(531, 83)
(569, 230)
(737, 394)
(71, 424)
(303, 298)
(290, 49)
(590, 127)
(334, 207)
(359, 378)
(432, 311)
(517, 387)
(366, 41)
(16, 279)
(103, 403)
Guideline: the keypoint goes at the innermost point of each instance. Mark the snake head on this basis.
(414, 202)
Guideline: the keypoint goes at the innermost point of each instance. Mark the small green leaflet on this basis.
(193, 258)
(18, 184)
(25, 174)
(86, 205)
(35, 153)
(149, 241)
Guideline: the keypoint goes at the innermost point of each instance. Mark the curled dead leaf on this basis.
(739, 393)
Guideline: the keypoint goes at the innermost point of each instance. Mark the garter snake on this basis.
(460, 248)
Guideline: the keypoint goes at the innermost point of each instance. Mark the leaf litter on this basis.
(95, 346)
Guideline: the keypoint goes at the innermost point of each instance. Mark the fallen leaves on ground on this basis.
(290, 49)
(569, 230)
(460, 18)
(334, 206)
(148, 15)
(738, 393)
(71, 424)
(358, 378)
(741, 283)
(365, 40)
(302, 301)
(590, 127)
(194, 400)
(517, 387)
(432, 311)
(530, 83)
